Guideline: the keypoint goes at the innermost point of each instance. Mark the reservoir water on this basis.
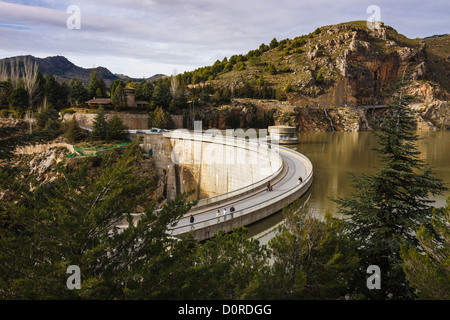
(335, 154)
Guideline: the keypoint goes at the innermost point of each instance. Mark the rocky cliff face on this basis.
(350, 65)
(359, 66)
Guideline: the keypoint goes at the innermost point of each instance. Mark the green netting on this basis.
(92, 152)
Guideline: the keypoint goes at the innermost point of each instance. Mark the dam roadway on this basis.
(251, 206)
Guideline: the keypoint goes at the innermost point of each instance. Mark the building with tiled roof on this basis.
(130, 98)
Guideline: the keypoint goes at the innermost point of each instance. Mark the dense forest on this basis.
(48, 227)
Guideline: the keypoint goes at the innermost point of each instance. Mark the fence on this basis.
(92, 152)
(270, 205)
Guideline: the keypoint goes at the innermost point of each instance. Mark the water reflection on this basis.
(335, 154)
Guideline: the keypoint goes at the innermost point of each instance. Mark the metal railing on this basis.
(247, 144)
(177, 230)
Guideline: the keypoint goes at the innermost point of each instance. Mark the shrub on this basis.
(68, 111)
(288, 88)
(4, 113)
(319, 77)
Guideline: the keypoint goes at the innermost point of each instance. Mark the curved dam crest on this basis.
(227, 171)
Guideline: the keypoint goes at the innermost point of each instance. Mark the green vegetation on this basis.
(117, 94)
(100, 125)
(428, 272)
(112, 130)
(313, 259)
(391, 205)
(97, 86)
(73, 132)
(78, 93)
(116, 129)
(160, 119)
(48, 119)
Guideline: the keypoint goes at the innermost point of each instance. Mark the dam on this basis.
(226, 171)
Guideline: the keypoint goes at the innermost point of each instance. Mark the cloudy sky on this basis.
(145, 37)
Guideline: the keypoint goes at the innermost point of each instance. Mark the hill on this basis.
(340, 68)
(336, 65)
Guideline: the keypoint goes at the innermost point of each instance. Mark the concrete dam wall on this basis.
(211, 165)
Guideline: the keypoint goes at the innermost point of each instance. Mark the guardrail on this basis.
(275, 203)
(244, 144)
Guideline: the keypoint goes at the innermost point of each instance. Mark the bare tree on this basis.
(175, 88)
(3, 72)
(29, 78)
(14, 66)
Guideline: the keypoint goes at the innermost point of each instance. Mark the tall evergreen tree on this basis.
(19, 100)
(161, 95)
(57, 94)
(117, 130)
(117, 95)
(389, 206)
(100, 125)
(73, 132)
(160, 119)
(144, 91)
(97, 86)
(78, 93)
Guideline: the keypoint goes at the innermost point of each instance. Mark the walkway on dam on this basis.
(294, 168)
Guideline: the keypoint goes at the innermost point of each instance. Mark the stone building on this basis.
(130, 99)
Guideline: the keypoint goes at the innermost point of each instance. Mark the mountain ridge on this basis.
(64, 70)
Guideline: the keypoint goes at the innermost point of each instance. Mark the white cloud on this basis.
(161, 35)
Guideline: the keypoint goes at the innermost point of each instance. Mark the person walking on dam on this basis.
(191, 220)
(224, 214)
(218, 215)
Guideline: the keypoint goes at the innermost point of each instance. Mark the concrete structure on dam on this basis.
(226, 171)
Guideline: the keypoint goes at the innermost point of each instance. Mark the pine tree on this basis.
(48, 119)
(117, 95)
(312, 258)
(427, 270)
(389, 206)
(73, 133)
(160, 119)
(72, 221)
(161, 95)
(77, 91)
(97, 86)
(100, 125)
(117, 130)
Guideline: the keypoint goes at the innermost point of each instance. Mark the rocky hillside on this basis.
(349, 65)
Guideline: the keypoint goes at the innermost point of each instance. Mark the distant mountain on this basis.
(63, 69)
